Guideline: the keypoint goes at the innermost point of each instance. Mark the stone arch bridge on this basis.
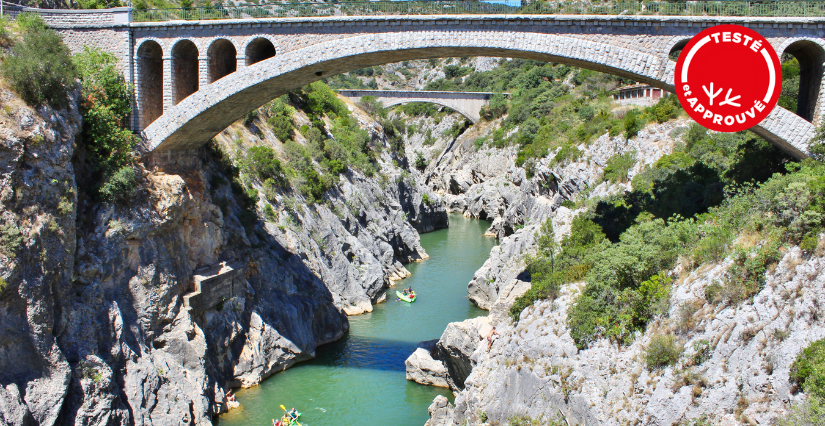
(194, 78)
(468, 104)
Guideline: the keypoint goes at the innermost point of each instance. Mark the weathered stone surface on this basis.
(424, 366)
(534, 368)
(441, 412)
(455, 347)
(38, 204)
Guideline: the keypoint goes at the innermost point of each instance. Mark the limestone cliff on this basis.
(95, 308)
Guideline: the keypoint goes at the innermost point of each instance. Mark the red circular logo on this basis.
(728, 78)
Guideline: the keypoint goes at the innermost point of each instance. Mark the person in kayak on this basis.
(293, 413)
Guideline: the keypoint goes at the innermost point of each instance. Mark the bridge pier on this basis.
(203, 71)
(168, 99)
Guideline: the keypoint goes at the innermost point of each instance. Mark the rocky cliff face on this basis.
(38, 201)
(92, 313)
(735, 363)
(734, 369)
(485, 183)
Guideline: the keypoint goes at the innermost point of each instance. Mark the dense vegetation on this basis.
(39, 66)
(808, 374)
(330, 145)
(691, 205)
(552, 107)
(41, 69)
(106, 102)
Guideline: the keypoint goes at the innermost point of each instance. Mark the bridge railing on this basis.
(462, 7)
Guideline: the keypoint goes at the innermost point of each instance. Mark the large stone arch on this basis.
(200, 117)
(470, 115)
(811, 57)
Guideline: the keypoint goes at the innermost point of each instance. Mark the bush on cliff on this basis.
(39, 67)
(120, 186)
(808, 370)
(106, 103)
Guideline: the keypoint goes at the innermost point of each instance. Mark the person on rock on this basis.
(490, 338)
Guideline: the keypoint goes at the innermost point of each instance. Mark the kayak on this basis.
(405, 298)
(292, 421)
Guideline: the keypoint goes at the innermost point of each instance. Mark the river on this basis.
(360, 379)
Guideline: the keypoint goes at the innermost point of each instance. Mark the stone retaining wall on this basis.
(213, 286)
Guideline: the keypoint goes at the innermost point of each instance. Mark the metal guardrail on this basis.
(465, 7)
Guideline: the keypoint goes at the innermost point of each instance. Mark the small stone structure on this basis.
(214, 285)
(468, 104)
(637, 94)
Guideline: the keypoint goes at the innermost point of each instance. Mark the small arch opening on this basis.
(150, 83)
(223, 59)
(259, 50)
(184, 70)
(802, 68)
(676, 50)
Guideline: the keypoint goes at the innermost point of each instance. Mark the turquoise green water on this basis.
(360, 379)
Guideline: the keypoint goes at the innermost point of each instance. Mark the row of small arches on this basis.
(222, 58)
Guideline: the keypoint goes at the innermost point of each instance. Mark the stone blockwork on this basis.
(468, 104)
(214, 286)
(308, 49)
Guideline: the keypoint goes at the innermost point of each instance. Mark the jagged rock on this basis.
(534, 368)
(506, 262)
(441, 412)
(13, 411)
(424, 366)
(456, 346)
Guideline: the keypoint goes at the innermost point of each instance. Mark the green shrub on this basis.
(808, 370)
(426, 199)
(120, 186)
(666, 109)
(10, 239)
(568, 153)
(555, 265)
(30, 22)
(701, 351)
(40, 68)
(618, 166)
(106, 104)
(269, 213)
(280, 119)
(809, 412)
(632, 124)
(663, 350)
(495, 109)
(3, 285)
(746, 276)
(420, 162)
(262, 163)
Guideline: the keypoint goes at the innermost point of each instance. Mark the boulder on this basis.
(424, 366)
(456, 347)
(441, 412)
